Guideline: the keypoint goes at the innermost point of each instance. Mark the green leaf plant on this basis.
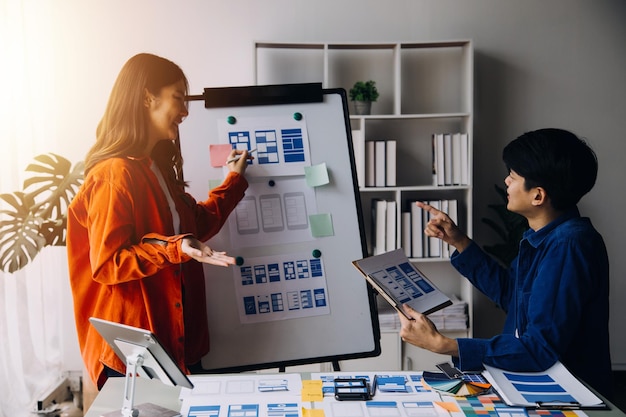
(510, 228)
(364, 91)
(37, 216)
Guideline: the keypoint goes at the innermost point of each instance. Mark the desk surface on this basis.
(152, 391)
(111, 397)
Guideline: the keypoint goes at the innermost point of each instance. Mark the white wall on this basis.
(559, 63)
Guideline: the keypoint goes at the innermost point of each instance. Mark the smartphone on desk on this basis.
(352, 389)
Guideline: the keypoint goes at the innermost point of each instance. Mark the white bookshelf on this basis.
(425, 88)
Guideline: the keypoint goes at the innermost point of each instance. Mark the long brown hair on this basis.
(122, 132)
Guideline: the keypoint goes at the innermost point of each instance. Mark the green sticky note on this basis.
(321, 225)
(316, 175)
(215, 183)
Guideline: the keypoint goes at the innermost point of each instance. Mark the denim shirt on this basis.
(556, 296)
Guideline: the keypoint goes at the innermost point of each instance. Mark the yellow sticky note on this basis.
(312, 412)
(312, 390)
(312, 383)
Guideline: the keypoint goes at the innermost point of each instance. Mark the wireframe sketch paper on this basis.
(399, 282)
(554, 387)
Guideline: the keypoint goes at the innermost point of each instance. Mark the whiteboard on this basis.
(294, 298)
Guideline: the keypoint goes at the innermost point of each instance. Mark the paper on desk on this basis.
(529, 389)
(422, 404)
(388, 382)
(241, 405)
(287, 385)
(242, 394)
(398, 393)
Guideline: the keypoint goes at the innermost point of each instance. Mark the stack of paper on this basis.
(466, 385)
(453, 317)
(387, 315)
(389, 320)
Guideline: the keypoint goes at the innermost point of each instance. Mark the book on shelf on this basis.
(465, 159)
(399, 282)
(450, 158)
(445, 248)
(379, 225)
(370, 163)
(390, 162)
(384, 226)
(380, 169)
(417, 231)
(456, 158)
(447, 158)
(390, 226)
(438, 159)
(433, 148)
(434, 244)
(425, 239)
(418, 245)
(555, 387)
(453, 213)
(405, 230)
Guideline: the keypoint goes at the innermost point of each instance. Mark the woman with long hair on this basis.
(134, 236)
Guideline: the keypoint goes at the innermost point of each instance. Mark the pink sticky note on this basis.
(219, 154)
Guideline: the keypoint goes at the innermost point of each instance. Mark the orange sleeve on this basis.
(116, 254)
(212, 213)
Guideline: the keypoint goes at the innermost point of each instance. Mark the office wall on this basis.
(559, 63)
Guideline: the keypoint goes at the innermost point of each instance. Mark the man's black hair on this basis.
(556, 160)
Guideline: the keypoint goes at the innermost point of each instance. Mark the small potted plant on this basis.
(363, 93)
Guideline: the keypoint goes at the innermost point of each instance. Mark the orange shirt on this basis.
(116, 275)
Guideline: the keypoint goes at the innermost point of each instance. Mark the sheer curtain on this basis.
(34, 300)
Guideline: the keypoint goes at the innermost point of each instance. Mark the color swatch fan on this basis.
(464, 385)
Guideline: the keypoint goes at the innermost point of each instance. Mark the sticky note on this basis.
(321, 225)
(312, 384)
(215, 183)
(312, 412)
(316, 175)
(312, 390)
(448, 406)
(219, 154)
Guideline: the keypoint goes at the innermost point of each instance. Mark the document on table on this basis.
(395, 393)
(556, 387)
(242, 394)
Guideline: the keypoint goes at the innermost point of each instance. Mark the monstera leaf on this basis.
(56, 181)
(36, 216)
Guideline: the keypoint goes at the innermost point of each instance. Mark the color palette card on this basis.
(466, 385)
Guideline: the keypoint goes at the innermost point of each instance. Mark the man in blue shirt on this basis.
(556, 291)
